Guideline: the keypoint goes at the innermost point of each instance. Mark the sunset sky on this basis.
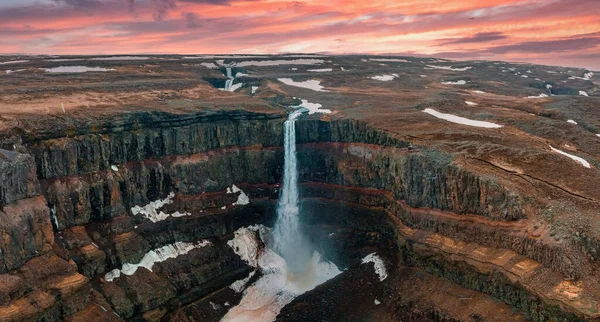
(556, 32)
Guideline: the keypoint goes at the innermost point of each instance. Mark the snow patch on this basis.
(379, 265)
(240, 74)
(322, 70)
(156, 256)
(13, 62)
(209, 65)
(479, 92)
(583, 93)
(309, 84)
(114, 168)
(572, 122)
(573, 157)
(471, 103)
(243, 198)
(385, 78)
(76, 69)
(458, 82)
(376, 302)
(314, 107)
(462, 69)
(15, 71)
(391, 60)
(461, 120)
(539, 96)
(235, 87)
(150, 211)
(120, 58)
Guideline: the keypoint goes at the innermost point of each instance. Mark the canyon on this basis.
(123, 191)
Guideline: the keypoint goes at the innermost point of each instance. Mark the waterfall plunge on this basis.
(229, 81)
(289, 240)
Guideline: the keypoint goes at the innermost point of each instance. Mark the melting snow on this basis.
(450, 68)
(277, 287)
(376, 302)
(254, 89)
(114, 168)
(471, 103)
(13, 62)
(322, 70)
(314, 107)
(22, 70)
(461, 120)
(572, 121)
(150, 211)
(310, 84)
(385, 78)
(458, 82)
(156, 256)
(76, 69)
(392, 60)
(240, 74)
(235, 87)
(120, 58)
(243, 198)
(583, 93)
(379, 265)
(539, 96)
(279, 62)
(573, 157)
(479, 92)
(423, 75)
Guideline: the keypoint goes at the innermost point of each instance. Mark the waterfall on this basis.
(230, 78)
(289, 240)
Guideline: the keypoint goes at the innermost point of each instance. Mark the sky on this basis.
(552, 32)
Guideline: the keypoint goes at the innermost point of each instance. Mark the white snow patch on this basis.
(583, 93)
(539, 96)
(573, 157)
(314, 107)
(458, 82)
(524, 76)
(572, 122)
(391, 60)
(254, 89)
(76, 69)
(461, 120)
(548, 86)
(385, 78)
(120, 58)
(13, 62)
(235, 87)
(294, 68)
(310, 84)
(240, 74)
(423, 76)
(156, 256)
(114, 168)
(379, 265)
(471, 103)
(343, 69)
(15, 71)
(277, 287)
(243, 198)
(279, 62)
(462, 69)
(479, 92)
(376, 302)
(322, 70)
(150, 211)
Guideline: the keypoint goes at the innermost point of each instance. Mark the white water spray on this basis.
(289, 240)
